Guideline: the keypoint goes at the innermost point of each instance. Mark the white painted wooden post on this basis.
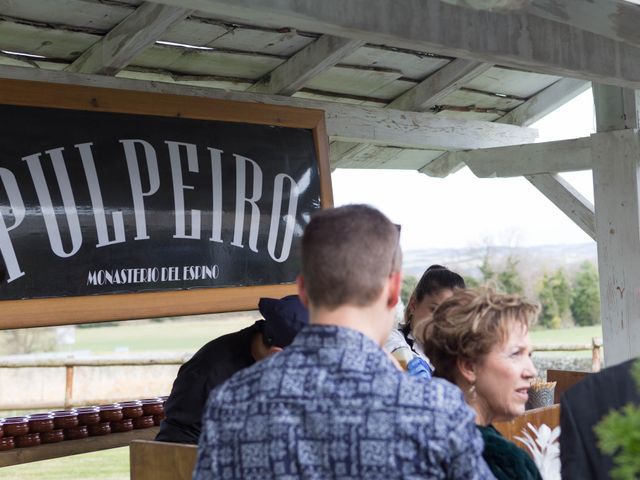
(616, 177)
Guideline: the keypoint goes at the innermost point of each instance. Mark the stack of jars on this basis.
(39, 428)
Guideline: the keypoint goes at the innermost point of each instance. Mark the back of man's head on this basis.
(347, 255)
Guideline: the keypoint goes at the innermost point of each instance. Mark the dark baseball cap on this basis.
(283, 319)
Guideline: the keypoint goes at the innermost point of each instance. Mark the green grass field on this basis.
(184, 335)
(105, 465)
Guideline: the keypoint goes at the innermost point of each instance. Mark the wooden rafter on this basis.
(345, 122)
(545, 102)
(424, 96)
(312, 60)
(120, 46)
(437, 86)
(567, 199)
(547, 157)
(517, 39)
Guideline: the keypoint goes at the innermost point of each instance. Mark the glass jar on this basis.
(102, 428)
(152, 406)
(111, 413)
(14, 426)
(65, 418)
(125, 425)
(74, 433)
(132, 409)
(88, 415)
(53, 436)
(145, 421)
(7, 443)
(40, 422)
(28, 440)
(157, 419)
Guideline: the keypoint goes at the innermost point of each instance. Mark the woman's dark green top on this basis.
(505, 459)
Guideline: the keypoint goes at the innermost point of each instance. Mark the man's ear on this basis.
(467, 370)
(273, 349)
(302, 293)
(395, 285)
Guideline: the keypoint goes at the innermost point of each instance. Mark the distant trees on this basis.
(554, 294)
(564, 298)
(507, 279)
(409, 283)
(585, 301)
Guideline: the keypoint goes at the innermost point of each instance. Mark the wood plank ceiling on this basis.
(140, 40)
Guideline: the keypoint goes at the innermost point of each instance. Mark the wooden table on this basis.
(74, 447)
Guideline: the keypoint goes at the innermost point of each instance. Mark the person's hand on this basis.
(417, 367)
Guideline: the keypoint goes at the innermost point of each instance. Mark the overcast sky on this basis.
(463, 210)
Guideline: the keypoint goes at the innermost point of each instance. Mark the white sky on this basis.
(463, 210)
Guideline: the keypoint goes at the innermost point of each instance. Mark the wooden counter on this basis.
(75, 447)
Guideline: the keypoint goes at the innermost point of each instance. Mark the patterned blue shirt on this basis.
(332, 405)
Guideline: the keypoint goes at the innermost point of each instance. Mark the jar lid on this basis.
(13, 420)
(151, 401)
(110, 408)
(40, 417)
(93, 409)
(131, 403)
(64, 413)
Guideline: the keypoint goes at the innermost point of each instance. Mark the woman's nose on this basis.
(530, 370)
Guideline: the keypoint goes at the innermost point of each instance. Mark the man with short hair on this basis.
(332, 405)
(219, 359)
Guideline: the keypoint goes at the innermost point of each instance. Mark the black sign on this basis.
(95, 203)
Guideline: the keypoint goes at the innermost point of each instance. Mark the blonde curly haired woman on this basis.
(479, 340)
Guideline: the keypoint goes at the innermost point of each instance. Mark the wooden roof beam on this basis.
(346, 122)
(545, 102)
(517, 39)
(516, 161)
(126, 40)
(309, 62)
(567, 199)
(424, 96)
(428, 93)
(610, 18)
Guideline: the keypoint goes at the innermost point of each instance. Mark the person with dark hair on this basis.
(332, 404)
(219, 359)
(479, 340)
(436, 285)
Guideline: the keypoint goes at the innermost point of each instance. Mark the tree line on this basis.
(566, 298)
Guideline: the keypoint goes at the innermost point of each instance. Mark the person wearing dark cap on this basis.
(219, 359)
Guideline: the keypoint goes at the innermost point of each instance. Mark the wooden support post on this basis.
(596, 354)
(616, 177)
(68, 388)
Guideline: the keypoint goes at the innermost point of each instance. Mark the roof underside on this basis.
(196, 48)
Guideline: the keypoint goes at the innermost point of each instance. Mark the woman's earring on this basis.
(471, 393)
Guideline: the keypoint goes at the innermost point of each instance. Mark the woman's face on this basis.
(503, 378)
(429, 303)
